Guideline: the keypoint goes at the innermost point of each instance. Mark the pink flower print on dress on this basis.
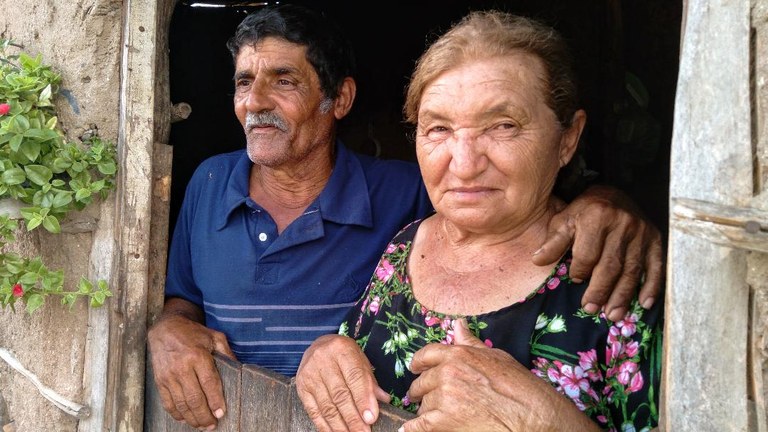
(628, 325)
(626, 370)
(390, 248)
(431, 320)
(636, 383)
(553, 283)
(374, 306)
(385, 270)
(573, 381)
(632, 349)
(562, 269)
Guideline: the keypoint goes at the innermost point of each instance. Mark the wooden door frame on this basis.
(712, 196)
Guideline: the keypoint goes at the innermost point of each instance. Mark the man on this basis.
(274, 244)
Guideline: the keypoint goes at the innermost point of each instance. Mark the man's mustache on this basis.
(264, 119)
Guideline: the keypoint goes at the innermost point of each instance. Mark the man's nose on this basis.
(258, 98)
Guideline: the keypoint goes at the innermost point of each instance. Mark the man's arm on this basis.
(185, 372)
(614, 244)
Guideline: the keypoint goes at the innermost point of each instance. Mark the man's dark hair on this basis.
(328, 49)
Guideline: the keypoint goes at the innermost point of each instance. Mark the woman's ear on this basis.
(569, 142)
(343, 103)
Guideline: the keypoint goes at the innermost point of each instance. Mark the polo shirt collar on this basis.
(344, 199)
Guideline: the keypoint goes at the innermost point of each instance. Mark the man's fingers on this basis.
(654, 273)
(196, 405)
(213, 390)
(559, 238)
(587, 253)
(166, 399)
(221, 346)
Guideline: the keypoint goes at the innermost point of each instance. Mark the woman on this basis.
(456, 323)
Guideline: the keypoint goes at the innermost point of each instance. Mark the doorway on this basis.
(626, 57)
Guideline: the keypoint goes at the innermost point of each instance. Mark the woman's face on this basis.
(488, 145)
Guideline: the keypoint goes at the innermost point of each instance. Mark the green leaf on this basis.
(107, 168)
(15, 142)
(28, 278)
(85, 286)
(34, 302)
(61, 164)
(98, 299)
(45, 95)
(30, 149)
(51, 223)
(61, 199)
(34, 222)
(14, 176)
(51, 123)
(69, 299)
(82, 193)
(38, 174)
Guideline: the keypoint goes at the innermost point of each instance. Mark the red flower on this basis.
(18, 290)
(4, 108)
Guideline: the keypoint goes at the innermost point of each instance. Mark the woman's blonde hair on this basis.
(486, 34)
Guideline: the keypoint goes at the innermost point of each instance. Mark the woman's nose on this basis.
(468, 157)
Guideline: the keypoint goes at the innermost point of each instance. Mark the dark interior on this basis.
(626, 53)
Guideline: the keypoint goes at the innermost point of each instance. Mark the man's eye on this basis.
(242, 83)
(284, 82)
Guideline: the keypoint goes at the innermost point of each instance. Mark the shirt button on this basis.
(263, 237)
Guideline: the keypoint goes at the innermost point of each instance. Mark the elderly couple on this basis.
(450, 288)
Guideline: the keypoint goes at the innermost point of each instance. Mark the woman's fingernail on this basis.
(368, 416)
(536, 252)
(402, 429)
(219, 413)
(648, 303)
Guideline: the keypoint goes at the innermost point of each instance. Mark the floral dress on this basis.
(610, 370)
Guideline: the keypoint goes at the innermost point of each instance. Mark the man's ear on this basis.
(343, 103)
(569, 142)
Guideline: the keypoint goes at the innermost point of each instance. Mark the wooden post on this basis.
(128, 321)
(707, 310)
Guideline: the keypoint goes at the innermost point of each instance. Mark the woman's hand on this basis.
(613, 245)
(470, 387)
(335, 383)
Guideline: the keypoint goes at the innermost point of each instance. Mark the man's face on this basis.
(280, 104)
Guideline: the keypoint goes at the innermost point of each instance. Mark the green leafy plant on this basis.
(48, 174)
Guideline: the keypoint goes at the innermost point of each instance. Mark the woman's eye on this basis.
(437, 130)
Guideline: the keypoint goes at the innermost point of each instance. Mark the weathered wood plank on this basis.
(736, 227)
(705, 377)
(158, 251)
(128, 322)
(390, 418)
(265, 404)
(231, 379)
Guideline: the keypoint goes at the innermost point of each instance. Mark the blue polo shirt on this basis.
(271, 294)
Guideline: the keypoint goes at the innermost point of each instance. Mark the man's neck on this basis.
(285, 192)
